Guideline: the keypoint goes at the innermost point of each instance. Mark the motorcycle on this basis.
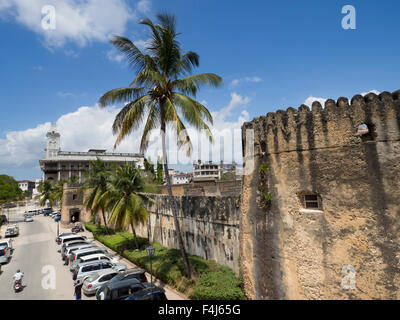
(77, 228)
(17, 286)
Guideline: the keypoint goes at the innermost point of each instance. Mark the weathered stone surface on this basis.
(289, 253)
(209, 225)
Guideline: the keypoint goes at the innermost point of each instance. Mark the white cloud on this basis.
(114, 55)
(236, 82)
(144, 6)
(309, 101)
(38, 68)
(76, 21)
(90, 127)
(372, 91)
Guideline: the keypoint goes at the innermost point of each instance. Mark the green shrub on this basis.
(215, 282)
(221, 284)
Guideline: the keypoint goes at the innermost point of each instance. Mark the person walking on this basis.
(78, 290)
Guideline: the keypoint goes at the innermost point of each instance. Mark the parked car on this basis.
(154, 293)
(6, 250)
(84, 252)
(28, 219)
(95, 281)
(121, 290)
(68, 252)
(74, 243)
(83, 270)
(63, 235)
(135, 273)
(8, 242)
(5, 254)
(12, 231)
(96, 257)
(66, 239)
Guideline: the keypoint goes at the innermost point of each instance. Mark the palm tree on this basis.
(97, 177)
(58, 191)
(45, 189)
(125, 198)
(165, 91)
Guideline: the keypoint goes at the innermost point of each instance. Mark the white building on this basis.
(26, 185)
(206, 171)
(57, 164)
(35, 191)
(182, 178)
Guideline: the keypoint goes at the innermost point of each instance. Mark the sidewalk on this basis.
(171, 293)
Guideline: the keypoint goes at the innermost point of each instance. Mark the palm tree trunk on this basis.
(104, 219)
(173, 202)
(134, 236)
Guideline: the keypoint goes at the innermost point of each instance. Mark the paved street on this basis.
(35, 249)
(36, 252)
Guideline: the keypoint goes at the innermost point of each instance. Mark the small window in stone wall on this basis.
(312, 201)
(74, 197)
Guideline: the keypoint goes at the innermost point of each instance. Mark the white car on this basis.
(5, 254)
(95, 281)
(96, 257)
(85, 252)
(84, 270)
(63, 240)
(28, 219)
(67, 253)
(6, 248)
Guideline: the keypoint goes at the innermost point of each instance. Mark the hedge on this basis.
(212, 281)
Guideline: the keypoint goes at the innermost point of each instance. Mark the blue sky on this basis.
(271, 54)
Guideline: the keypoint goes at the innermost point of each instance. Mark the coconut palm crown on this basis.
(162, 94)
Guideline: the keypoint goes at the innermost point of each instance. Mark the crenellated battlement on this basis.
(333, 125)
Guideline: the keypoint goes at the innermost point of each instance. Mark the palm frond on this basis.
(191, 84)
(121, 95)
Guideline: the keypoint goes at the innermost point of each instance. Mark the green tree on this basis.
(160, 176)
(125, 198)
(58, 191)
(46, 193)
(73, 179)
(9, 189)
(149, 168)
(97, 176)
(165, 91)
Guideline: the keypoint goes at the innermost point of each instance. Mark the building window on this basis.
(312, 201)
(74, 197)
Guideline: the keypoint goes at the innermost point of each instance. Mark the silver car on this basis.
(5, 253)
(84, 270)
(74, 243)
(95, 281)
(84, 252)
(70, 250)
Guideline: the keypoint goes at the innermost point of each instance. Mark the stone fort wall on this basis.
(209, 225)
(290, 252)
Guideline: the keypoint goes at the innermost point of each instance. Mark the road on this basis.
(36, 255)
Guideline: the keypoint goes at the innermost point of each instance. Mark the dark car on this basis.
(123, 289)
(137, 273)
(154, 293)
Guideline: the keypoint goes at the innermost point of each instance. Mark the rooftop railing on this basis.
(69, 153)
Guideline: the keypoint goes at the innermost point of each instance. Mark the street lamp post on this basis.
(150, 252)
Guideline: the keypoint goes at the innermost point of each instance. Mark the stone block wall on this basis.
(291, 252)
(210, 227)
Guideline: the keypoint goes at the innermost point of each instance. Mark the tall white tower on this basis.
(53, 142)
